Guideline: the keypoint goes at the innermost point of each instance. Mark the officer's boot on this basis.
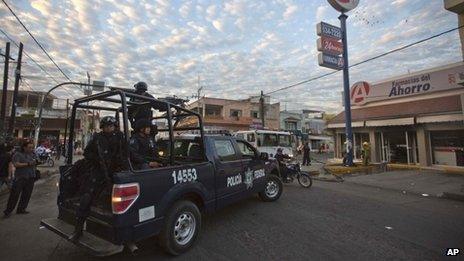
(78, 229)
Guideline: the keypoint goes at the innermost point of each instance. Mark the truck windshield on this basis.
(269, 140)
(285, 141)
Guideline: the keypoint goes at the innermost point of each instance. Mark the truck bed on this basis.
(96, 245)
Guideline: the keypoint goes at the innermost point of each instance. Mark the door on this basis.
(253, 168)
(229, 174)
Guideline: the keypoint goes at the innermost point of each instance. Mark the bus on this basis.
(268, 141)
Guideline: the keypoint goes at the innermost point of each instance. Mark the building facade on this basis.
(54, 117)
(413, 119)
(235, 115)
(307, 125)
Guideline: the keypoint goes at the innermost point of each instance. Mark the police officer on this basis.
(105, 155)
(137, 112)
(142, 146)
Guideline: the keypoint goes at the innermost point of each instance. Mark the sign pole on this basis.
(346, 93)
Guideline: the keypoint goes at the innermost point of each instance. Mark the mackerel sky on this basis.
(237, 47)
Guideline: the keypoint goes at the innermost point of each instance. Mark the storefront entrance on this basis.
(398, 146)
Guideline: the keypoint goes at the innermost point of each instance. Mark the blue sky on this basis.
(237, 47)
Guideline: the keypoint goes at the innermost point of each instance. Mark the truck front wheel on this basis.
(272, 189)
(181, 227)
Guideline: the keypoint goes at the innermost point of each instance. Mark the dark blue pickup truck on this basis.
(199, 174)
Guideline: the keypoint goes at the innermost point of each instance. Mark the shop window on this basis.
(448, 147)
(235, 113)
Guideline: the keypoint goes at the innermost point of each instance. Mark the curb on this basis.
(443, 195)
(453, 196)
(331, 178)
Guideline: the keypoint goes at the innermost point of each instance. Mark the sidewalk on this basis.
(425, 183)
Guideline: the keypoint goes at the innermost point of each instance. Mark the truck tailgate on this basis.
(97, 246)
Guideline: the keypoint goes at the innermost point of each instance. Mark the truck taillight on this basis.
(124, 196)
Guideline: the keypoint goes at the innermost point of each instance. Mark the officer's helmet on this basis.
(107, 121)
(141, 86)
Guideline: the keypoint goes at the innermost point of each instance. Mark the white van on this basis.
(268, 141)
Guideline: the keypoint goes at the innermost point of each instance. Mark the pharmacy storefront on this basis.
(412, 119)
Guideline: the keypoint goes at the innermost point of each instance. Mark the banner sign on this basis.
(428, 81)
(330, 61)
(325, 29)
(329, 45)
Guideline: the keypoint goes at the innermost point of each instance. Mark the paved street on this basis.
(331, 221)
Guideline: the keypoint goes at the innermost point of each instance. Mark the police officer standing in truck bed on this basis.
(105, 155)
(137, 112)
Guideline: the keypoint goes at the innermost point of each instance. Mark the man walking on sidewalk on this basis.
(23, 182)
(306, 159)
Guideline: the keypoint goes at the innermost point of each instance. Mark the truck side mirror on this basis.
(264, 156)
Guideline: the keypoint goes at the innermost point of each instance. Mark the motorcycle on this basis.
(293, 171)
(46, 158)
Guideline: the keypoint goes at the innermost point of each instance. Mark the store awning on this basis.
(342, 125)
(390, 122)
(440, 118)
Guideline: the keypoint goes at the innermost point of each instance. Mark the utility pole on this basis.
(199, 94)
(261, 108)
(66, 128)
(5, 88)
(15, 92)
(346, 90)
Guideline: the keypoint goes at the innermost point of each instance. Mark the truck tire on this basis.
(181, 227)
(272, 189)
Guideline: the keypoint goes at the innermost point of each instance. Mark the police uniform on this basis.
(138, 112)
(104, 155)
(142, 150)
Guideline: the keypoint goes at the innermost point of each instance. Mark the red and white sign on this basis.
(343, 5)
(329, 45)
(359, 93)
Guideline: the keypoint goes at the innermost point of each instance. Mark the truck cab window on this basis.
(225, 150)
(246, 150)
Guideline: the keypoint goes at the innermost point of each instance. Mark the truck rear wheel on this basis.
(181, 227)
(272, 189)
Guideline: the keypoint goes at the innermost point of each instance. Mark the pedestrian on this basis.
(6, 167)
(306, 150)
(104, 155)
(58, 151)
(25, 162)
(366, 153)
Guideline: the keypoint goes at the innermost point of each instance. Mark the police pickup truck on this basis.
(199, 174)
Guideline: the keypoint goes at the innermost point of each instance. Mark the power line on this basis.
(367, 60)
(34, 61)
(35, 40)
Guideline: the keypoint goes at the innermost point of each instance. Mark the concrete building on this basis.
(416, 118)
(54, 118)
(234, 115)
(307, 125)
(457, 6)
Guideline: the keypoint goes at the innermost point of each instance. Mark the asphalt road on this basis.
(330, 221)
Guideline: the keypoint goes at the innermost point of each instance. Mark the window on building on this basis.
(448, 147)
(254, 114)
(290, 125)
(235, 113)
(213, 110)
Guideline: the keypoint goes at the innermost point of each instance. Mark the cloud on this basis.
(219, 25)
(290, 11)
(321, 12)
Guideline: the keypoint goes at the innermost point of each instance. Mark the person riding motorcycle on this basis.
(103, 155)
(280, 157)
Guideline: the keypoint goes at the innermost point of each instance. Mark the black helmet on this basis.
(279, 150)
(142, 123)
(107, 121)
(141, 86)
